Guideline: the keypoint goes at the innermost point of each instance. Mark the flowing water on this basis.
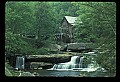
(75, 67)
(56, 73)
(77, 63)
(20, 61)
(71, 73)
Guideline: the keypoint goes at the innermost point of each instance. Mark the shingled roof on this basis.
(71, 19)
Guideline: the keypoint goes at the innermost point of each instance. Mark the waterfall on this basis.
(81, 62)
(20, 61)
(76, 62)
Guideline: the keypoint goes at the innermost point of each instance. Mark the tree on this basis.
(99, 19)
(19, 17)
(44, 23)
(19, 20)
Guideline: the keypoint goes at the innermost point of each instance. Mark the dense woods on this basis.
(41, 20)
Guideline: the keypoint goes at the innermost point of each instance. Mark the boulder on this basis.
(57, 58)
(77, 47)
(40, 65)
(28, 74)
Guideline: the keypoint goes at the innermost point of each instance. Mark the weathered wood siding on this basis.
(66, 28)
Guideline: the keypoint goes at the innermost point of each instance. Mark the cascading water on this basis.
(20, 61)
(76, 62)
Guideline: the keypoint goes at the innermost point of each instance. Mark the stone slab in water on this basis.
(58, 58)
(24, 74)
(40, 65)
(77, 46)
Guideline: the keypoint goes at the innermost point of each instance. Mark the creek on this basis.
(78, 66)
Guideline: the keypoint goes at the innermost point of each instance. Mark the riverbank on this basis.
(10, 71)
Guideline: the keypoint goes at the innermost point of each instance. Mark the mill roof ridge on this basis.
(71, 19)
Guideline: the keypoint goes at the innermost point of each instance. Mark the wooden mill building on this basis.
(66, 29)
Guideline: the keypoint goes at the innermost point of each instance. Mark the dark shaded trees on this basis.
(99, 23)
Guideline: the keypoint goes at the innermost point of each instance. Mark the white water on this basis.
(20, 61)
(75, 64)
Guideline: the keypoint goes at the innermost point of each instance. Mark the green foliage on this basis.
(14, 43)
(44, 19)
(44, 23)
(19, 17)
(42, 51)
(99, 24)
(25, 18)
